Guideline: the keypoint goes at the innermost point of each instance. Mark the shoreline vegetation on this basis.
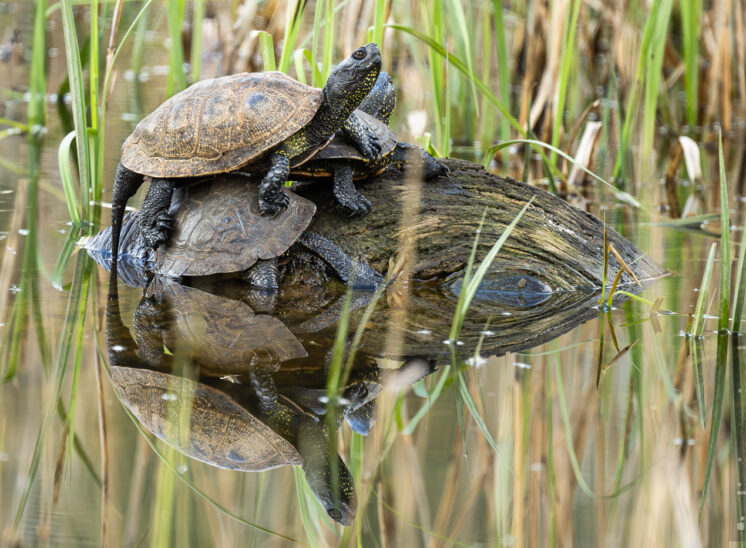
(634, 111)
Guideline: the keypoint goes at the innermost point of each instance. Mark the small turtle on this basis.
(344, 163)
(223, 124)
(219, 229)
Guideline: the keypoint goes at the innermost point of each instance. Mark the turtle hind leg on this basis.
(155, 221)
(351, 272)
(345, 192)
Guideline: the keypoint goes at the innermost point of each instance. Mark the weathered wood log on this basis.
(554, 241)
(539, 286)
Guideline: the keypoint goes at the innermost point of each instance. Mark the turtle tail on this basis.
(126, 183)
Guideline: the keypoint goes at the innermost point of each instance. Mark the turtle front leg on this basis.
(345, 191)
(263, 275)
(272, 199)
(155, 222)
(363, 137)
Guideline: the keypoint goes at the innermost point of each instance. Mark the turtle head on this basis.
(381, 100)
(353, 78)
(334, 489)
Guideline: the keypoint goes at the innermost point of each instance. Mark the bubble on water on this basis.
(424, 332)
(169, 396)
(15, 289)
(23, 231)
(476, 361)
(522, 365)
(488, 333)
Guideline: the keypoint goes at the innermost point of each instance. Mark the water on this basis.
(582, 433)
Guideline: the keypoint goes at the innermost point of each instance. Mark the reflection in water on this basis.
(259, 399)
(240, 417)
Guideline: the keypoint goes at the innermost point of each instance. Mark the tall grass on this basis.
(464, 96)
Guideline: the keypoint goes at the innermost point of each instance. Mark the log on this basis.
(554, 241)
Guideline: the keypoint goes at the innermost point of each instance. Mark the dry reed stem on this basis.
(10, 253)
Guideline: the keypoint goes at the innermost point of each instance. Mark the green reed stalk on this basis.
(267, 45)
(704, 288)
(486, 123)
(503, 67)
(293, 22)
(566, 59)
(176, 77)
(691, 12)
(722, 345)
(77, 90)
(433, 15)
(653, 74)
(466, 41)
(637, 86)
(620, 195)
(328, 51)
(379, 15)
(739, 441)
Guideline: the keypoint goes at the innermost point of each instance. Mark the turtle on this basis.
(218, 229)
(218, 333)
(341, 161)
(249, 427)
(268, 120)
(231, 427)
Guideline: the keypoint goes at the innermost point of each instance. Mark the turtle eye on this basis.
(359, 54)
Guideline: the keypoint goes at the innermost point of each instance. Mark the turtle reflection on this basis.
(244, 411)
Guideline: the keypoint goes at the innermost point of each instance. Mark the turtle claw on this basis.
(370, 146)
(355, 204)
(271, 202)
(157, 233)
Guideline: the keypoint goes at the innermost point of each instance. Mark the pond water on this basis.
(593, 426)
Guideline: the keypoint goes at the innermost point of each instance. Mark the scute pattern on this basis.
(219, 125)
(218, 331)
(222, 433)
(220, 230)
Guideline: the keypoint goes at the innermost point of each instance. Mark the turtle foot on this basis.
(369, 144)
(355, 204)
(263, 276)
(272, 201)
(157, 233)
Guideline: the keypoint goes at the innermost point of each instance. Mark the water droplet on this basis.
(118, 348)
(23, 231)
(15, 289)
(522, 365)
(488, 333)
(168, 396)
(424, 332)
(182, 469)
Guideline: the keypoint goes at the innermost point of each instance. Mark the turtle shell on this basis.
(219, 229)
(341, 149)
(221, 432)
(218, 125)
(221, 334)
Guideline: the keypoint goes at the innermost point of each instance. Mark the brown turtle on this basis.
(219, 230)
(266, 120)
